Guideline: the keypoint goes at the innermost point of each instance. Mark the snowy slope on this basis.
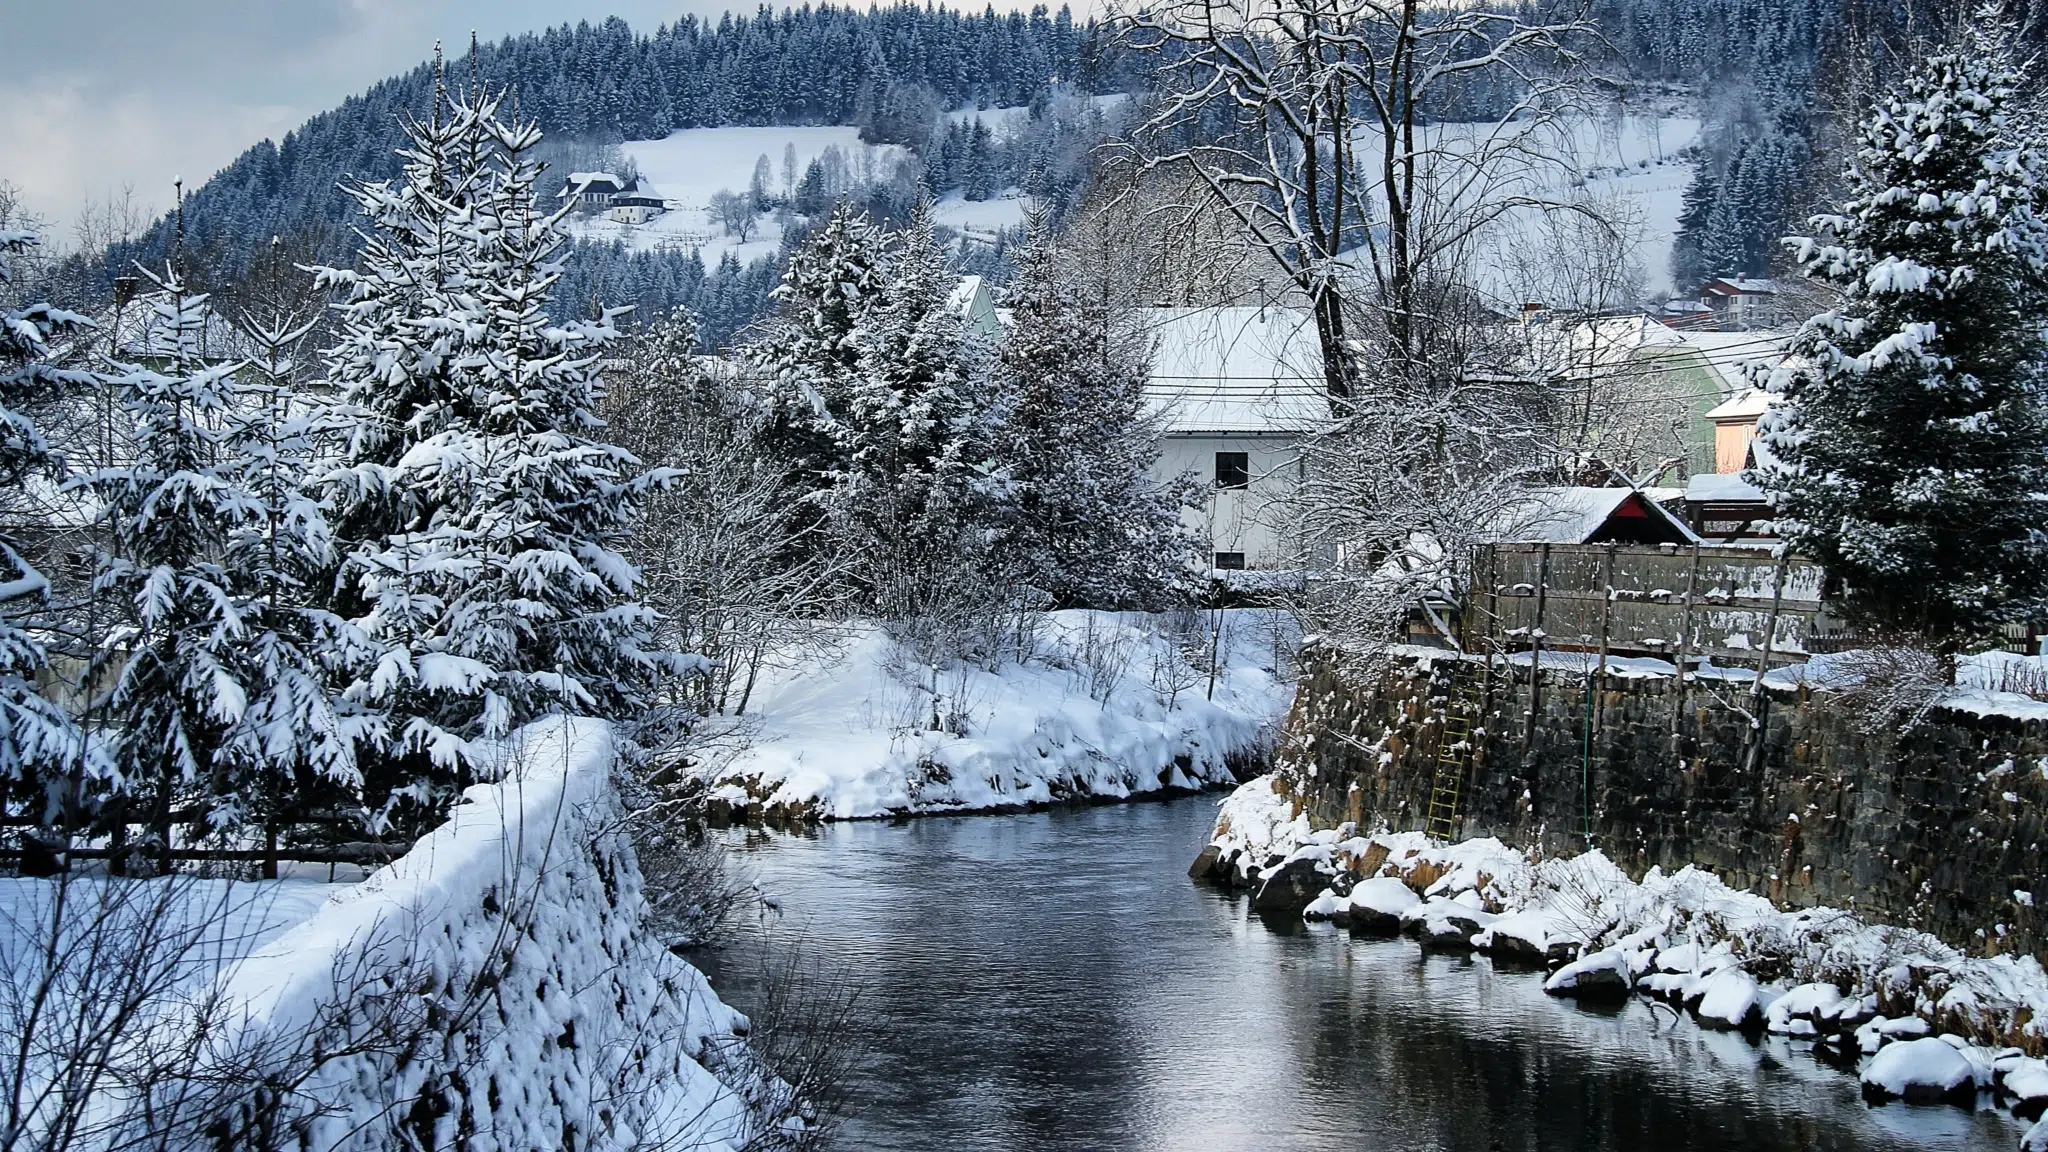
(516, 932)
(1633, 160)
(687, 168)
(528, 895)
(1107, 707)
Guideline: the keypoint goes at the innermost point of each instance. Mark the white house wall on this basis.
(1251, 520)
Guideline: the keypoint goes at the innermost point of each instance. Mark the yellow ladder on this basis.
(1453, 752)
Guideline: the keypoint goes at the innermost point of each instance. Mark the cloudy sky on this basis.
(98, 94)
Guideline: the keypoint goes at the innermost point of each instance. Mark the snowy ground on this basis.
(1108, 704)
(1629, 161)
(527, 900)
(690, 166)
(982, 219)
(1733, 959)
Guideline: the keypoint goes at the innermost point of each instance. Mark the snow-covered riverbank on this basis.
(1923, 1020)
(532, 1000)
(1105, 705)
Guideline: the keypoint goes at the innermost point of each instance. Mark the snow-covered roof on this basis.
(1588, 515)
(581, 182)
(1721, 488)
(1740, 286)
(1745, 405)
(962, 297)
(1235, 369)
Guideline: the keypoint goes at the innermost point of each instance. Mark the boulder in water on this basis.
(1924, 1071)
(1601, 976)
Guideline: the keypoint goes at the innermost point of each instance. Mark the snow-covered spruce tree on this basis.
(1910, 446)
(43, 757)
(178, 684)
(294, 746)
(481, 515)
(914, 430)
(1086, 522)
(811, 355)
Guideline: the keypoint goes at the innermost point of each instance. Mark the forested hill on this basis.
(1765, 75)
(825, 65)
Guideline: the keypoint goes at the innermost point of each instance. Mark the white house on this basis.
(637, 204)
(1234, 389)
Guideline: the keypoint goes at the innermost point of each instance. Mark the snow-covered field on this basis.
(982, 218)
(1938, 1023)
(1108, 705)
(689, 167)
(1625, 161)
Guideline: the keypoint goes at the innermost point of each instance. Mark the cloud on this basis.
(98, 94)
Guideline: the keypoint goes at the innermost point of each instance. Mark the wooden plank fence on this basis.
(1734, 606)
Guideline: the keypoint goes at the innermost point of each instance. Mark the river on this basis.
(1053, 981)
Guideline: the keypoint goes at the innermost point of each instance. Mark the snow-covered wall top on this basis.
(496, 987)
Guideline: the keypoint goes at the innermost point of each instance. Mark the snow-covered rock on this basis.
(1803, 1005)
(2027, 1085)
(1730, 998)
(1522, 937)
(1378, 903)
(1602, 976)
(1445, 924)
(1921, 1071)
(2036, 1139)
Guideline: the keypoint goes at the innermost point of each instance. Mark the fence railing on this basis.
(1726, 604)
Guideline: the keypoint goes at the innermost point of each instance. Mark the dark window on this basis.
(1233, 470)
(1230, 561)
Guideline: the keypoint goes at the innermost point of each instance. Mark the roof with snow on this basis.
(1721, 488)
(1234, 369)
(1743, 407)
(1590, 516)
(598, 182)
(1739, 286)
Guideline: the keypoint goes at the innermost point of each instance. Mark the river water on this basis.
(1053, 981)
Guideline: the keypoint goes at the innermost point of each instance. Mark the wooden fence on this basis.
(1729, 605)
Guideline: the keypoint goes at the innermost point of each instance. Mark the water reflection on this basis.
(1052, 981)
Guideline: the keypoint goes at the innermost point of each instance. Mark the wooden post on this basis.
(1535, 679)
(1692, 579)
(1758, 701)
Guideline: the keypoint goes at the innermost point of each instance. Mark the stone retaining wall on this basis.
(1939, 828)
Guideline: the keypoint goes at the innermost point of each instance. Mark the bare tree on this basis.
(1312, 122)
(735, 213)
(1395, 495)
(729, 560)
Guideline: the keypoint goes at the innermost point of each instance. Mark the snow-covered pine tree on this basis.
(1086, 523)
(43, 757)
(178, 684)
(811, 356)
(294, 745)
(405, 316)
(485, 516)
(1910, 447)
(914, 430)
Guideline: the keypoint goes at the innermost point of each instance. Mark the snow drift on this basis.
(1106, 705)
(508, 950)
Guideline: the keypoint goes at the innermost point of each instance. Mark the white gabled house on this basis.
(1234, 389)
